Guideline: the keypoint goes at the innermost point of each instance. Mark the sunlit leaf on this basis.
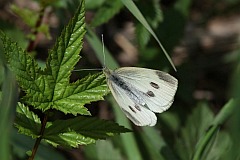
(80, 131)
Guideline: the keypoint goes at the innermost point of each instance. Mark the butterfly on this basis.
(140, 92)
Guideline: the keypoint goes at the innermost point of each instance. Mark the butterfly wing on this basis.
(138, 114)
(157, 88)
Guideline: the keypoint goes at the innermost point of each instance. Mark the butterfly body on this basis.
(140, 92)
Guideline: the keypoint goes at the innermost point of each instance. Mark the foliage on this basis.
(49, 89)
(52, 105)
(8, 100)
(25, 13)
(106, 12)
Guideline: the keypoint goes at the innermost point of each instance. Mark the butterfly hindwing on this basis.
(137, 113)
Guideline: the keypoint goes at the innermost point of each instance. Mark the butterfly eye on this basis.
(151, 94)
(154, 85)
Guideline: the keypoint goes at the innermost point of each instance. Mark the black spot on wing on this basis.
(132, 109)
(150, 93)
(154, 85)
(137, 107)
(134, 120)
(166, 77)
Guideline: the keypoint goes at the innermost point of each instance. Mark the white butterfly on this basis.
(140, 92)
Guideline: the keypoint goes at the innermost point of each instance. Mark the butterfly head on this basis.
(107, 71)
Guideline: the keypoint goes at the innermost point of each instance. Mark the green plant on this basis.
(49, 90)
(52, 110)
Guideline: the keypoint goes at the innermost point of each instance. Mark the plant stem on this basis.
(34, 150)
(32, 43)
(30, 48)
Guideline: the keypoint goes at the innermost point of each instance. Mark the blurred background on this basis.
(201, 37)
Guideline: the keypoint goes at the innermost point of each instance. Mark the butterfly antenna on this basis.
(104, 57)
(86, 69)
(103, 60)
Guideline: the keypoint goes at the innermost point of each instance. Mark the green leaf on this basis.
(22, 143)
(226, 112)
(25, 13)
(27, 122)
(80, 131)
(8, 101)
(153, 142)
(12, 31)
(220, 148)
(89, 89)
(153, 13)
(72, 98)
(98, 151)
(65, 53)
(196, 126)
(50, 88)
(106, 12)
(143, 36)
(235, 116)
(69, 133)
(183, 6)
(22, 64)
(43, 28)
(92, 4)
(68, 139)
(135, 11)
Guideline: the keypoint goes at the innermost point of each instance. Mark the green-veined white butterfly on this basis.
(140, 92)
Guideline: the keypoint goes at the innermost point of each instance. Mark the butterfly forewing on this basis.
(157, 88)
(141, 91)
